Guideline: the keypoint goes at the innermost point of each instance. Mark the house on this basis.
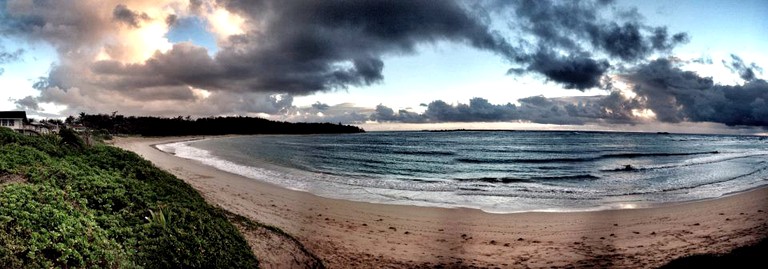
(79, 128)
(43, 128)
(13, 119)
(17, 121)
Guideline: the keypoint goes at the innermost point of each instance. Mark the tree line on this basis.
(180, 126)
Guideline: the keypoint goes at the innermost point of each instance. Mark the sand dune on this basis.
(349, 234)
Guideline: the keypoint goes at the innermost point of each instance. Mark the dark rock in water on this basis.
(628, 167)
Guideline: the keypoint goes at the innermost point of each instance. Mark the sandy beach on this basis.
(346, 234)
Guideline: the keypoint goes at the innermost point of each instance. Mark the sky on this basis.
(684, 66)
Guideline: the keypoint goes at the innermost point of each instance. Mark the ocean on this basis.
(496, 171)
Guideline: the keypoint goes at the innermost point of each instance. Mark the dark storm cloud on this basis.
(386, 114)
(27, 103)
(572, 72)
(538, 109)
(302, 47)
(578, 110)
(299, 47)
(745, 71)
(628, 42)
(324, 45)
(660, 86)
(320, 106)
(662, 42)
(184, 65)
(568, 24)
(676, 95)
(171, 20)
(72, 27)
(123, 14)
(613, 108)
(478, 109)
(195, 5)
(571, 37)
(9, 57)
(703, 60)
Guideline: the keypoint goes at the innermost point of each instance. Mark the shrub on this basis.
(42, 228)
(71, 139)
(100, 207)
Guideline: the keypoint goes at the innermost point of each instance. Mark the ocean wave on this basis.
(411, 171)
(694, 162)
(625, 168)
(184, 150)
(424, 152)
(536, 194)
(547, 151)
(494, 180)
(522, 160)
(568, 177)
(323, 183)
(471, 189)
(655, 154)
(507, 180)
(471, 160)
(362, 160)
(498, 172)
(692, 186)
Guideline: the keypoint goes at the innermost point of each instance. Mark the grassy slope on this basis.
(101, 207)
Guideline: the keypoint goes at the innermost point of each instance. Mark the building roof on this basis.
(13, 115)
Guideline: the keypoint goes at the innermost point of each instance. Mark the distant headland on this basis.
(181, 126)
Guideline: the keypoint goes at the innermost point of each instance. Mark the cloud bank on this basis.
(656, 91)
(676, 95)
(299, 47)
(270, 51)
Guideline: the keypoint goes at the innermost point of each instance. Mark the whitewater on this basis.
(496, 171)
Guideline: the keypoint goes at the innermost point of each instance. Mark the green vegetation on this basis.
(105, 125)
(103, 207)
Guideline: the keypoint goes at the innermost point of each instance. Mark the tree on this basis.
(70, 138)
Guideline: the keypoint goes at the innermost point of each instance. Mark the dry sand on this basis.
(346, 234)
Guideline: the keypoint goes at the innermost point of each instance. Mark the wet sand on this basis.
(347, 234)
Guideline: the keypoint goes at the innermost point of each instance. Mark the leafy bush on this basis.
(15, 156)
(70, 138)
(96, 207)
(48, 144)
(42, 228)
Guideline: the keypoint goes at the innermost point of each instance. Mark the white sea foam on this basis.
(183, 150)
(387, 191)
(668, 180)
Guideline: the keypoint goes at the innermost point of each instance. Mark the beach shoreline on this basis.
(354, 234)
